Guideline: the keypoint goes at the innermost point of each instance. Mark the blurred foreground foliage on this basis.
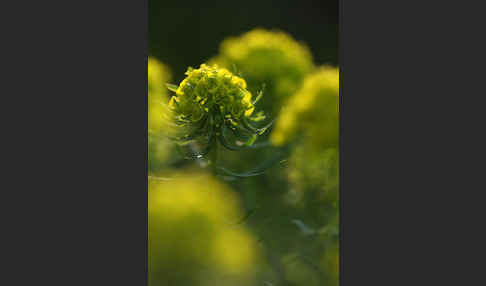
(280, 228)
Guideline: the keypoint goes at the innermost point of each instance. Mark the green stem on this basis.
(214, 157)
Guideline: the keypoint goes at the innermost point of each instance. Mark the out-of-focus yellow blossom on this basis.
(194, 238)
(272, 58)
(159, 146)
(211, 90)
(158, 76)
(312, 117)
(313, 111)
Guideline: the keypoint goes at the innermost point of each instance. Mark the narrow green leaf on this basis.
(306, 230)
(222, 140)
(249, 126)
(248, 214)
(240, 175)
(260, 145)
(251, 140)
(259, 96)
(171, 87)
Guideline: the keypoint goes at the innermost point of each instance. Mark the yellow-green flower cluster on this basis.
(211, 90)
(194, 235)
(313, 111)
(272, 58)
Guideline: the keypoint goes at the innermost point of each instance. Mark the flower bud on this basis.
(211, 90)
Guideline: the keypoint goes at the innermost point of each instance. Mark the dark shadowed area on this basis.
(185, 33)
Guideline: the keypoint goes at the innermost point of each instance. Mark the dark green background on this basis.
(187, 33)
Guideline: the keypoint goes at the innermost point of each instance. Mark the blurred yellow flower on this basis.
(313, 110)
(312, 117)
(272, 58)
(158, 76)
(193, 234)
(159, 146)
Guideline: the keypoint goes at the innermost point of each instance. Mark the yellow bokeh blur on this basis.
(159, 146)
(269, 57)
(315, 108)
(158, 76)
(194, 233)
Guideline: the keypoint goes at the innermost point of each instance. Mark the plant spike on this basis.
(250, 141)
(259, 131)
(171, 87)
(259, 96)
(209, 101)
